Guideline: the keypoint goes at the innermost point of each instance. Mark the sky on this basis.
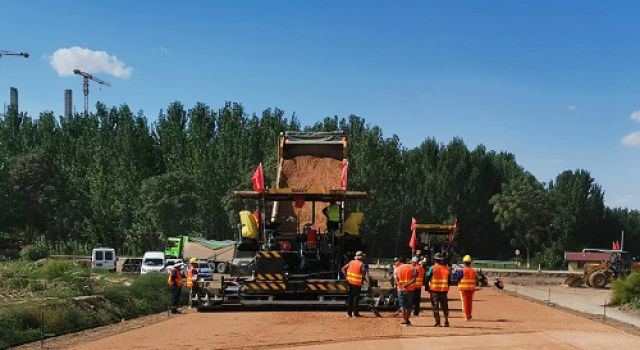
(554, 82)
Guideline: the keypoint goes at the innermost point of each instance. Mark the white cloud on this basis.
(572, 108)
(65, 60)
(632, 140)
(620, 201)
(161, 49)
(635, 115)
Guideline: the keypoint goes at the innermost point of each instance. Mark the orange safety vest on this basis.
(354, 273)
(178, 278)
(420, 278)
(468, 281)
(404, 273)
(440, 279)
(190, 276)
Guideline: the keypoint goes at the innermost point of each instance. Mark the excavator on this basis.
(287, 255)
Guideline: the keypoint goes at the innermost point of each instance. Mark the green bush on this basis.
(34, 252)
(627, 290)
(151, 293)
(18, 325)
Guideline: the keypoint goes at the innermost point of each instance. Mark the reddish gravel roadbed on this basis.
(500, 321)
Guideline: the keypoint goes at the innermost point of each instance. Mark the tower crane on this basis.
(10, 53)
(85, 86)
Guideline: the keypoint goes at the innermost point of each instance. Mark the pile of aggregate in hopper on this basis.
(304, 172)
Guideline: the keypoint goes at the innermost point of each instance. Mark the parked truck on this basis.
(287, 256)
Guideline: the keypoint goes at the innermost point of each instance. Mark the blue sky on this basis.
(554, 82)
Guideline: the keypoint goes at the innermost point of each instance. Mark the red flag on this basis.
(345, 170)
(258, 179)
(412, 242)
(617, 245)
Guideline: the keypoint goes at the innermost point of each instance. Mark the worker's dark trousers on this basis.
(175, 297)
(353, 300)
(439, 300)
(416, 301)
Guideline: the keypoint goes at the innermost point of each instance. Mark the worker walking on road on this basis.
(356, 272)
(467, 286)
(175, 281)
(405, 276)
(192, 278)
(438, 277)
(417, 285)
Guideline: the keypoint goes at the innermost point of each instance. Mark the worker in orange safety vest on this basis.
(405, 276)
(417, 285)
(175, 282)
(438, 277)
(356, 272)
(192, 278)
(467, 286)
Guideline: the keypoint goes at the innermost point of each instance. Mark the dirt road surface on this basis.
(500, 321)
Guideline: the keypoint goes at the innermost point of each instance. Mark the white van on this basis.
(152, 262)
(104, 258)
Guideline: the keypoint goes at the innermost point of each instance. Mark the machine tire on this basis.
(598, 279)
(222, 267)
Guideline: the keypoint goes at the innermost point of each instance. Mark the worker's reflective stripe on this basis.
(420, 278)
(468, 281)
(354, 273)
(440, 280)
(333, 213)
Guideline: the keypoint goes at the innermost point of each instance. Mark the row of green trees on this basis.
(113, 178)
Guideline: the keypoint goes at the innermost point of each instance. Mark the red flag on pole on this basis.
(258, 179)
(412, 242)
(617, 245)
(613, 245)
(345, 170)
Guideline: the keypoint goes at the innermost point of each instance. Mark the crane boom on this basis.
(11, 53)
(90, 77)
(85, 86)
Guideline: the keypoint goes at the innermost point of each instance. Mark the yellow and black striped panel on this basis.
(265, 286)
(327, 287)
(268, 255)
(270, 277)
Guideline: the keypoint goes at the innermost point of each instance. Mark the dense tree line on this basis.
(113, 178)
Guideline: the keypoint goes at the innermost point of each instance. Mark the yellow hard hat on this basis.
(466, 259)
(193, 260)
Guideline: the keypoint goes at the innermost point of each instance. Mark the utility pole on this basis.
(85, 86)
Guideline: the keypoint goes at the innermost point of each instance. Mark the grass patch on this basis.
(114, 301)
(627, 290)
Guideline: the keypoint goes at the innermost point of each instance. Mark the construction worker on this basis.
(467, 286)
(417, 285)
(175, 282)
(356, 272)
(405, 276)
(332, 212)
(438, 277)
(192, 277)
